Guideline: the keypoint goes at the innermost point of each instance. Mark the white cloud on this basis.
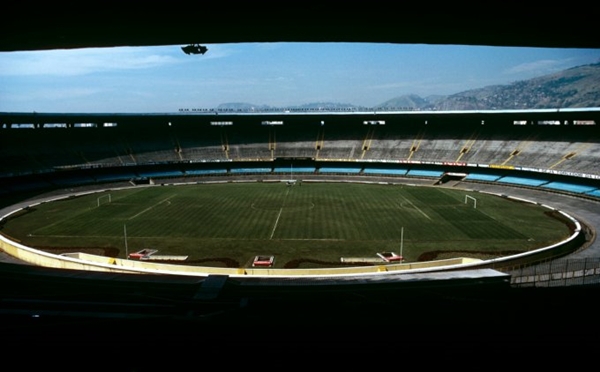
(72, 62)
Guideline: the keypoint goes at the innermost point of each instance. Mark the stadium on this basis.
(296, 149)
(548, 157)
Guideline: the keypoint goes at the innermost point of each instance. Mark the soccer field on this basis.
(310, 224)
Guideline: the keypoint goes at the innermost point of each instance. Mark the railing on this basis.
(558, 273)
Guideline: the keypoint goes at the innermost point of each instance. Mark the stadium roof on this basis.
(58, 26)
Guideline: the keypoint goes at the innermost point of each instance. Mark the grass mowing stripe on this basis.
(151, 207)
(415, 207)
(477, 225)
(317, 220)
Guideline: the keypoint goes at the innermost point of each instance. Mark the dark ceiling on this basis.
(28, 27)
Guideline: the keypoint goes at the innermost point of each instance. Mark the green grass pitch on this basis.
(314, 223)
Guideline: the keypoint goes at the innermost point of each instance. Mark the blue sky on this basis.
(164, 79)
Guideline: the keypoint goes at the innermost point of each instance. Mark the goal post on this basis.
(103, 199)
(472, 199)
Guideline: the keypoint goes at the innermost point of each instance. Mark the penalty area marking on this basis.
(151, 207)
(417, 208)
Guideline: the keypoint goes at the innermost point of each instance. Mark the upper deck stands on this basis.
(489, 139)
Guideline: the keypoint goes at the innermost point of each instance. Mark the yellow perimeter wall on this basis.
(84, 261)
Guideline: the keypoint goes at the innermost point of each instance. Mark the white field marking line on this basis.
(462, 205)
(276, 222)
(417, 208)
(253, 206)
(495, 219)
(151, 207)
(159, 238)
(287, 191)
(485, 214)
(74, 236)
(316, 239)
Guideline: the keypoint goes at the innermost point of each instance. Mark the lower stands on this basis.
(522, 181)
(340, 170)
(585, 186)
(424, 173)
(387, 171)
(569, 187)
(482, 177)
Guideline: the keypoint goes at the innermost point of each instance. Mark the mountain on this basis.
(577, 87)
(241, 106)
(406, 102)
